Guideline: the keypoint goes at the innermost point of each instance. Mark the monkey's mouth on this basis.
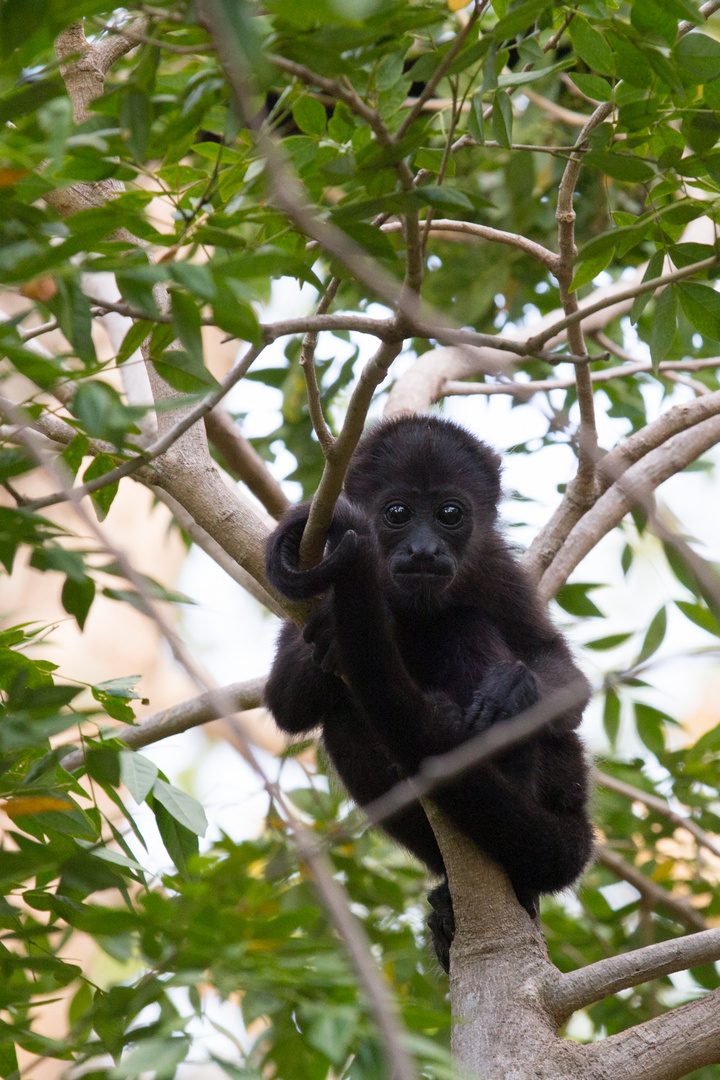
(435, 575)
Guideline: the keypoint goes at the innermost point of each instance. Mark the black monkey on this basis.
(437, 634)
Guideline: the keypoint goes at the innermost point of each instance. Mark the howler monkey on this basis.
(427, 633)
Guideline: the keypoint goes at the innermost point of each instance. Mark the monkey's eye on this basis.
(449, 515)
(397, 514)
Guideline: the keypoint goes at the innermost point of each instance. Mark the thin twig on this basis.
(323, 504)
(307, 363)
(440, 71)
(485, 232)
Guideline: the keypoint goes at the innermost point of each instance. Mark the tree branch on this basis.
(666, 1048)
(671, 457)
(191, 713)
(525, 390)
(307, 363)
(625, 294)
(242, 458)
(484, 232)
(163, 443)
(233, 569)
(660, 806)
(576, 989)
(330, 486)
(654, 894)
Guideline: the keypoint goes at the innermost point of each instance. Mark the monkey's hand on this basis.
(508, 688)
(350, 540)
(320, 633)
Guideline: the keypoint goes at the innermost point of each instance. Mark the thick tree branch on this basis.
(666, 1048)
(636, 482)
(576, 989)
(242, 458)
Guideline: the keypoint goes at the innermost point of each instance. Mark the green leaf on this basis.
(519, 19)
(444, 196)
(591, 46)
(136, 115)
(133, 340)
(574, 599)
(651, 726)
(180, 842)
(521, 78)
(183, 372)
(654, 269)
(592, 85)
(186, 810)
(77, 598)
(309, 115)
(103, 497)
(235, 317)
(701, 616)
(654, 636)
(186, 323)
(625, 167)
(698, 57)
(476, 122)
(609, 642)
(502, 119)
(590, 268)
(611, 717)
(701, 305)
(664, 325)
(137, 774)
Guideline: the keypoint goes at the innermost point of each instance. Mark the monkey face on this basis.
(422, 535)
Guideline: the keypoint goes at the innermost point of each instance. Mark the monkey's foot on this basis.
(441, 923)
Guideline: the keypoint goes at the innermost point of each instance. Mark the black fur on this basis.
(437, 634)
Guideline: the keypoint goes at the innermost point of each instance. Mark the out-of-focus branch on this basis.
(660, 806)
(242, 458)
(576, 989)
(655, 895)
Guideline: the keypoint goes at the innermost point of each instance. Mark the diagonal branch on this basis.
(660, 806)
(654, 894)
(576, 989)
(241, 457)
(665, 1048)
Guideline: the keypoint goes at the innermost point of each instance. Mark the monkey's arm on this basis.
(298, 692)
